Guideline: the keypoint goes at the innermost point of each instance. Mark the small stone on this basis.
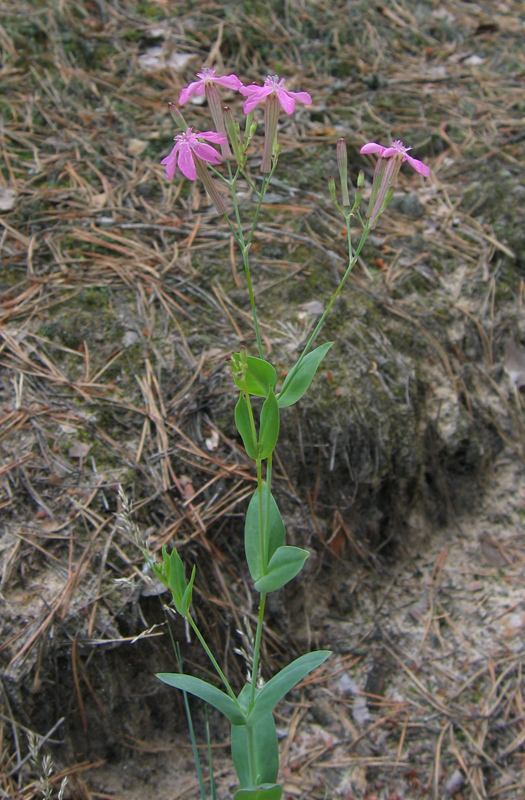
(131, 338)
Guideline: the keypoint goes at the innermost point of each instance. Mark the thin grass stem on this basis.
(213, 660)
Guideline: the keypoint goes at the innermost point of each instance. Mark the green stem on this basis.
(213, 660)
(351, 265)
(256, 651)
(251, 755)
(250, 411)
(232, 182)
(244, 248)
(252, 299)
(258, 464)
(265, 184)
(249, 181)
(266, 532)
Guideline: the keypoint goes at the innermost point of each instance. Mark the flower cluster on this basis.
(191, 151)
(188, 146)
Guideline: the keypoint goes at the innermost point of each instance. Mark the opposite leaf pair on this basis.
(254, 740)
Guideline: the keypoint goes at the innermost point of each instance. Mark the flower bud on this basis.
(232, 129)
(389, 195)
(360, 185)
(331, 187)
(248, 123)
(177, 116)
(342, 165)
(249, 129)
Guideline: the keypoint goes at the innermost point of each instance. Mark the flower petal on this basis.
(192, 88)
(418, 165)
(255, 95)
(286, 100)
(212, 136)
(252, 102)
(170, 162)
(206, 152)
(230, 81)
(186, 165)
(373, 147)
(392, 151)
(301, 97)
(247, 91)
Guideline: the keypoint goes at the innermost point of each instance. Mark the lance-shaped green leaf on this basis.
(186, 598)
(267, 791)
(252, 532)
(265, 749)
(171, 573)
(177, 578)
(269, 431)
(243, 424)
(297, 381)
(284, 565)
(205, 691)
(286, 679)
(260, 377)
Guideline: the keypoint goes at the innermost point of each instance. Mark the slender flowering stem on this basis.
(265, 184)
(351, 265)
(213, 660)
(264, 523)
(243, 246)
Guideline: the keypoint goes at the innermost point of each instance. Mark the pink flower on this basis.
(187, 147)
(272, 85)
(385, 175)
(396, 148)
(207, 76)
